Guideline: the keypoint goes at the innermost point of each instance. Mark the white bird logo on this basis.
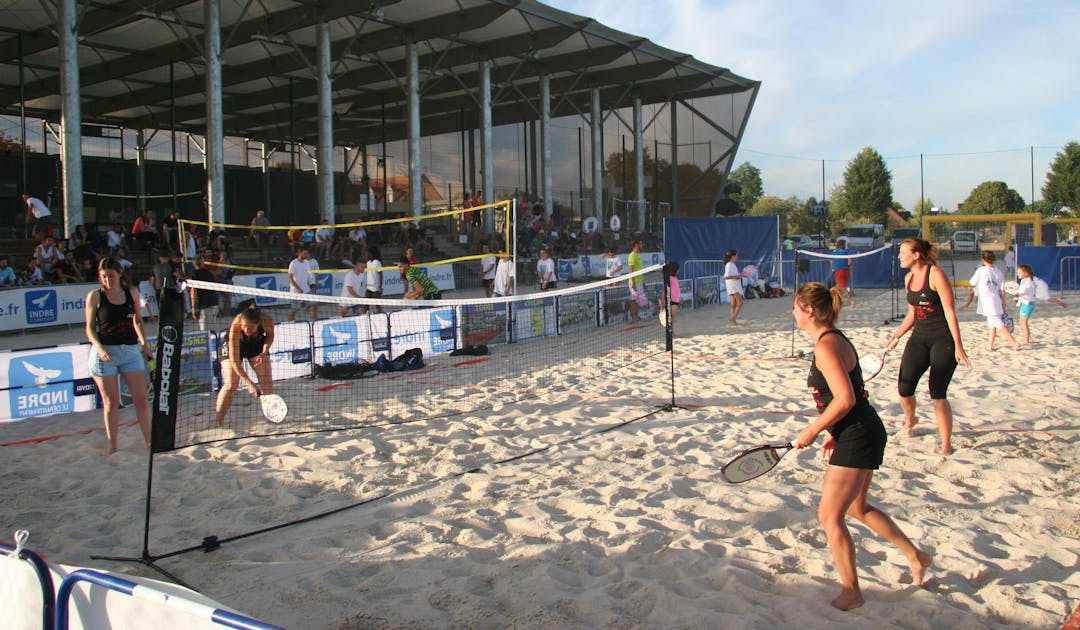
(41, 375)
(265, 284)
(341, 337)
(40, 302)
(444, 323)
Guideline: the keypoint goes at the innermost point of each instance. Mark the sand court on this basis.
(581, 507)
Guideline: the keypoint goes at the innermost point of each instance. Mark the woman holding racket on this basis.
(935, 342)
(855, 445)
(250, 336)
(733, 283)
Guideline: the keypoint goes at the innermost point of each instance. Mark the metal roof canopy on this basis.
(128, 50)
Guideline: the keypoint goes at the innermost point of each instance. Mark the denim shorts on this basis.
(124, 359)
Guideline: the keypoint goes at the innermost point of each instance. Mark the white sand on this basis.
(628, 528)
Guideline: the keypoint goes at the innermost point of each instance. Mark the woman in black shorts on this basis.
(935, 342)
(855, 445)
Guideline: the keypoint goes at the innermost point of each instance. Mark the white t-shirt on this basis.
(545, 268)
(324, 234)
(987, 281)
(733, 285)
(115, 238)
(1027, 291)
(37, 208)
(357, 234)
(355, 281)
(1010, 260)
(504, 273)
(300, 271)
(487, 266)
(612, 266)
(374, 278)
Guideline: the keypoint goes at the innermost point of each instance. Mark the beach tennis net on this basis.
(371, 362)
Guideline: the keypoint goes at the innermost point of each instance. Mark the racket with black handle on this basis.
(754, 462)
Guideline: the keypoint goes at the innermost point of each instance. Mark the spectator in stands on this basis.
(67, 271)
(259, 235)
(418, 286)
(114, 327)
(487, 270)
(7, 274)
(41, 214)
(116, 240)
(124, 262)
(303, 281)
(219, 263)
(353, 288)
(98, 245)
(373, 286)
(47, 254)
(204, 302)
(77, 239)
(357, 242)
(144, 230)
(88, 269)
(169, 228)
(191, 240)
(31, 275)
(324, 240)
(217, 241)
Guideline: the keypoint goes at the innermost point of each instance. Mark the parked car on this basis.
(901, 233)
(809, 241)
(964, 241)
(864, 235)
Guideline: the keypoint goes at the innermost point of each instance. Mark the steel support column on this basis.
(70, 118)
(215, 134)
(596, 125)
(545, 144)
(639, 164)
(487, 159)
(324, 166)
(412, 78)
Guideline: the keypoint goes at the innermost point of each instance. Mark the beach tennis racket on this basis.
(1008, 321)
(273, 407)
(872, 364)
(754, 462)
(663, 317)
(1012, 287)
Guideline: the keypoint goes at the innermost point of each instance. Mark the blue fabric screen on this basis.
(707, 238)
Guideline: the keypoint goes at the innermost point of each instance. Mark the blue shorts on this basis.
(1027, 309)
(124, 359)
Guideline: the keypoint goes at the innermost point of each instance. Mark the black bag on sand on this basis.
(411, 359)
(470, 351)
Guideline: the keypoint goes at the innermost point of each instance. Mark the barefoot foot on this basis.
(919, 566)
(848, 600)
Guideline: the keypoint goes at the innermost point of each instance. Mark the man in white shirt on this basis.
(504, 276)
(302, 280)
(487, 270)
(354, 288)
(42, 215)
(357, 241)
(324, 239)
(117, 241)
(545, 272)
(612, 265)
(373, 289)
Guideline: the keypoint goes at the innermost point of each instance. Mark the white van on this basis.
(866, 235)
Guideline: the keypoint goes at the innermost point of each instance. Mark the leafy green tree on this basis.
(922, 210)
(866, 194)
(775, 206)
(744, 185)
(1047, 209)
(992, 198)
(1062, 187)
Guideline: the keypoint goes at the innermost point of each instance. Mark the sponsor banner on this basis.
(686, 290)
(351, 339)
(534, 318)
(35, 307)
(433, 330)
(616, 304)
(291, 352)
(706, 290)
(45, 381)
(483, 324)
(441, 275)
(577, 312)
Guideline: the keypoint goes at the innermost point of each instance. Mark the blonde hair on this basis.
(826, 302)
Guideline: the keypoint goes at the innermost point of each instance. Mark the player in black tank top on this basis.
(935, 342)
(118, 349)
(249, 338)
(855, 444)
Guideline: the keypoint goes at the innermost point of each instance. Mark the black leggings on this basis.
(938, 354)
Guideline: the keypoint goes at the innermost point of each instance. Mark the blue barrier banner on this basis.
(46, 381)
(1047, 263)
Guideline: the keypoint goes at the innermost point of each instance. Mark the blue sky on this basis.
(975, 86)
